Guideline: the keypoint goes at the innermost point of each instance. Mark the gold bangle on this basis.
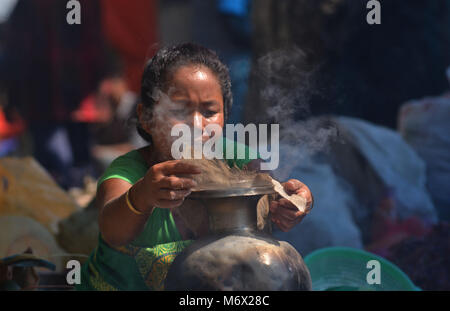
(130, 206)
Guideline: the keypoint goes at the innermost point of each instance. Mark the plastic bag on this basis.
(425, 125)
(330, 222)
(398, 166)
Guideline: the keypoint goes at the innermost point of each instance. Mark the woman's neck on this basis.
(151, 155)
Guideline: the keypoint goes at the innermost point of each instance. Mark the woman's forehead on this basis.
(199, 79)
(199, 74)
(189, 74)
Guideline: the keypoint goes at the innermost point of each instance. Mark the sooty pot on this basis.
(235, 255)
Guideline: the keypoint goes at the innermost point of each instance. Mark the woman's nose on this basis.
(197, 120)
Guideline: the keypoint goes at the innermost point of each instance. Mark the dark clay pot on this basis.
(235, 255)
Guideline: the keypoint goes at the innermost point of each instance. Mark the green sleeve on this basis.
(130, 167)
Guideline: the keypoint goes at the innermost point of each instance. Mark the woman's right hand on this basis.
(165, 185)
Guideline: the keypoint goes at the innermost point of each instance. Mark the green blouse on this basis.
(142, 264)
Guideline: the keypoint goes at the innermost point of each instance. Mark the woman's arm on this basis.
(118, 224)
(160, 187)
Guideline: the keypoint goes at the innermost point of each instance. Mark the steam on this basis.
(216, 174)
(287, 85)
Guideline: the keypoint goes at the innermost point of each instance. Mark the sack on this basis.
(26, 189)
(17, 234)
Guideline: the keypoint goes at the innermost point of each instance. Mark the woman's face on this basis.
(193, 97)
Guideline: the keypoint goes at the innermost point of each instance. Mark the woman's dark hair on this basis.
(167, 60)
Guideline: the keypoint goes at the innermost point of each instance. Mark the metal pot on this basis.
(235, 255)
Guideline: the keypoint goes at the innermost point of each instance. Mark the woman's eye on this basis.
(209, 113)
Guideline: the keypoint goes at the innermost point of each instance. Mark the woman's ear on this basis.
(144, 118)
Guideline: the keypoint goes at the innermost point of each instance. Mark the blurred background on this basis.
(364, 112)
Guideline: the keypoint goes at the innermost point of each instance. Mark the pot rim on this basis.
(231, 192)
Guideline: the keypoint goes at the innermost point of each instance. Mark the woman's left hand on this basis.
(285, 214)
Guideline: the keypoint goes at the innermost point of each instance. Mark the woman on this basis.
(139, 235)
